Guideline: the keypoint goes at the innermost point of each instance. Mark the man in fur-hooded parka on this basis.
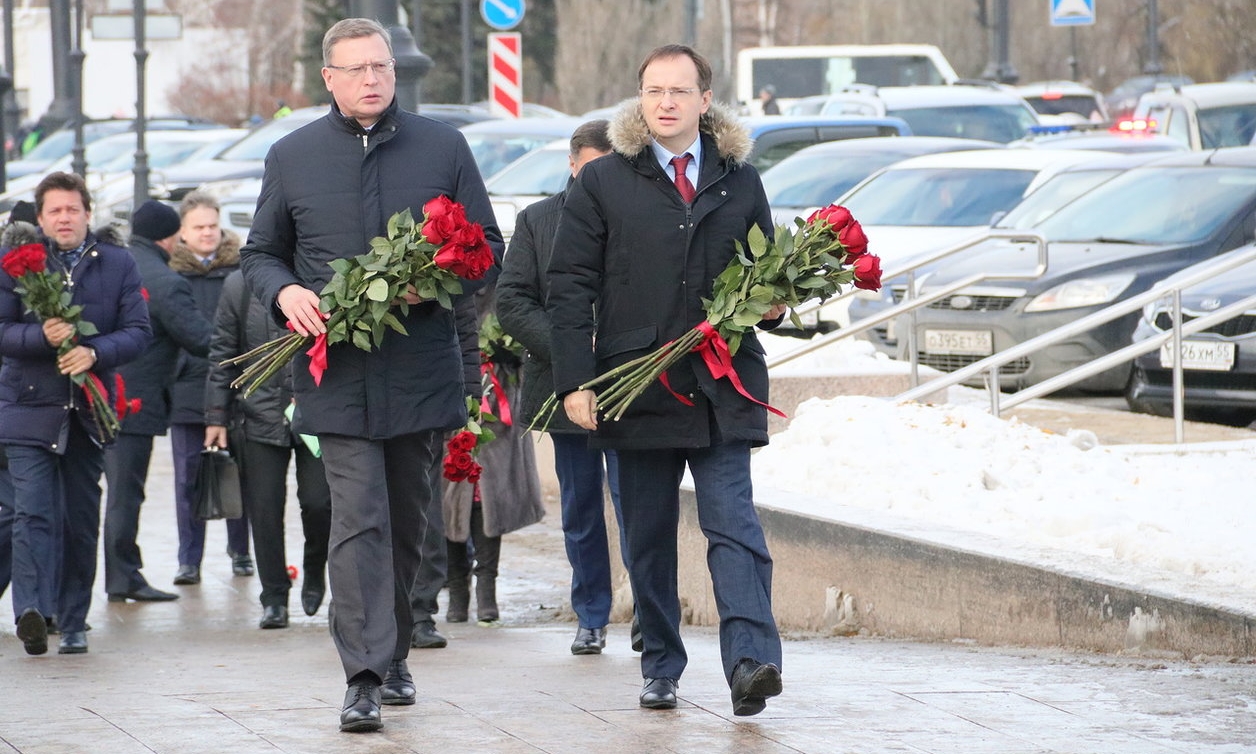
(625, 261)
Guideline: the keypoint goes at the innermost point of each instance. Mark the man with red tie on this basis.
(644, 233)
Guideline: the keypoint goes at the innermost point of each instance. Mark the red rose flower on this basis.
(868, 272)
(461, 467)
(444, 218)
(466, 254)
(853, 240)
(463, 442)
(26, 258)
(838, 217)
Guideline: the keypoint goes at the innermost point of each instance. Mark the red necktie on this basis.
(683, 185)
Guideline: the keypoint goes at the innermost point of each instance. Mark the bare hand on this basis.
(581, 408)
(77, 360)
(411, 296)
(57, 331)
(776, 312)
(215, 436)
(300, 305)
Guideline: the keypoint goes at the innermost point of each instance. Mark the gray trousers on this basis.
(381, 491)
(434, 558)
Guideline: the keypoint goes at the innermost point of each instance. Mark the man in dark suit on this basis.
(644, 233)
(177, 322)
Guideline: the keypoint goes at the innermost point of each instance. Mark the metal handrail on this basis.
(992, 363)
(912, 302)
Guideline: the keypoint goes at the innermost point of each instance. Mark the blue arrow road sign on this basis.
(502, 14)
(1072, 12)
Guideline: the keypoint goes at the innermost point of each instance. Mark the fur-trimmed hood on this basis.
(185, 262)
(630, 134)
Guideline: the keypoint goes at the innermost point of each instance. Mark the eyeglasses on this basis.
(656, 93)
(381, 68)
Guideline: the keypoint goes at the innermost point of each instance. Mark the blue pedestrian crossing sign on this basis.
(502, 15)
(1072, 12)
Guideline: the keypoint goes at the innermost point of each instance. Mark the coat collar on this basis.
(184, 261)
(630, 134)
(351, 124)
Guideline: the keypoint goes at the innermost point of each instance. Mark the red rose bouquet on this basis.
(433, 256)
(459, 463)
(46, 295)
(812, 261)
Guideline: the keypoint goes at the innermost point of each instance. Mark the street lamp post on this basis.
(6, 83)
(78, 162)
(141, 116)
(1152, 66)
(1000, 67)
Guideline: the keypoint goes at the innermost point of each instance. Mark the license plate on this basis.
(1207, 355)
(959, 342)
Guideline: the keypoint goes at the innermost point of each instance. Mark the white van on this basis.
(809, 70)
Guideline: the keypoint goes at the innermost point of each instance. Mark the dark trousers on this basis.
(581, 494)
(186, 443)
(6, 530)
(126, 474)
(737, 554)
(56, 527)
(264, 488)
(433, 553)
(380, 490)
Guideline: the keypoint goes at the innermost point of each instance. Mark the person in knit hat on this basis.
(177, 323)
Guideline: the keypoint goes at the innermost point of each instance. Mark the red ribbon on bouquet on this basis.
(317, 354)
(503, 405)
(719, 362)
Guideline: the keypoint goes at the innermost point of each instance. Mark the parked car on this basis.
(960, 110)
(817, 175)
(1097, 136)
(778, 136)
(1202, 116)
(1063, 100)
(497, 143)
(1219, 364)
(1124, 97)
(1115, 241)
(60, 143)
(1060, 187)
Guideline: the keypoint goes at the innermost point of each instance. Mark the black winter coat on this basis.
(187, 397)
(521, 292)
(240, 325)
(37, 402)
(629, 246)
(329, 188)
(177, 323)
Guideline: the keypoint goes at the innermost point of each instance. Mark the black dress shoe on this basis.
(274, 616)
(589, 641)
(361, 709)
(659, 693)
(146, 593)
(187, 575)
(242, 565)
(753, 682)
(32, 630)
(312, 591)
(398, 688)
(425, 636)
(73, 643)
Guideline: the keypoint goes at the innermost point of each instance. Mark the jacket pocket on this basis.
(610, 345)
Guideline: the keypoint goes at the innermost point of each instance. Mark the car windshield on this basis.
(255, 146)
(542, 171)
(1001, 123)
(1174, 206)
(492, 152)
(1061, 189)
(948, 197)
(809, 181)
(1081, 104)
(1227, 126)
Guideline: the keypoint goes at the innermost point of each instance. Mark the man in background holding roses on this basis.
(329, 188)
(644, 233)
(53, 446)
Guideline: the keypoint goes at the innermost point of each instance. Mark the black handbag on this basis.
(218, 486)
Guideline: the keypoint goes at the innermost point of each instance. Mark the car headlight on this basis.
(1082, 292)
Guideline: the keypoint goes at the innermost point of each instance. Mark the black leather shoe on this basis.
(274, 616)
(242, 565)
(659, 693)
(398, 688)
(589, 641)
(312, 592)
(753, 682)
(32, 630)
(634, 635)
(146, 593)
(187, 575)
(425, 636)
(361, 709)
(73, 643)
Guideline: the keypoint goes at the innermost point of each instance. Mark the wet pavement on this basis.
(197, 675)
